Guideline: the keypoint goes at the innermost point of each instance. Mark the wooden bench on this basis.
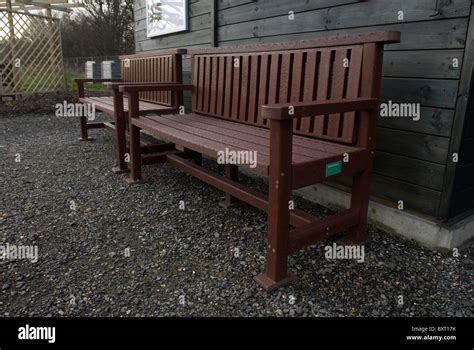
(307, 108)
(146, 68)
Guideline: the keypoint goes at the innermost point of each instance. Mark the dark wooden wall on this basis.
(462, 198)
(463, 191)
(458, 189)
(412, 156)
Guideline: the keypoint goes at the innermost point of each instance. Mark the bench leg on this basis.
(136, 157)
(196, 156)
(276, 273)
(120, 130)
(121, 166)
(359, 200)
(84, 130)
(232, 173)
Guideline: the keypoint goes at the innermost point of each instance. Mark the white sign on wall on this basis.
(166, 16)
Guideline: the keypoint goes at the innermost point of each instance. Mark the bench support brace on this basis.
(309, 229)
(241, 192)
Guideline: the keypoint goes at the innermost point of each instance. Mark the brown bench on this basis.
(150, 67)
(308, 108)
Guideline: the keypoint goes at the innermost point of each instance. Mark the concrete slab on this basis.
(428, 232)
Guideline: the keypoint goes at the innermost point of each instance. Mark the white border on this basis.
(169, 31)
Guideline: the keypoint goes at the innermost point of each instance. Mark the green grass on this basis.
(71, 85)
(42, 80)
(38, 81)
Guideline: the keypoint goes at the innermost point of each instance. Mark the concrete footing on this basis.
(426, 231)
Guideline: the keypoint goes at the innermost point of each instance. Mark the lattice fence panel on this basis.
(30, 53)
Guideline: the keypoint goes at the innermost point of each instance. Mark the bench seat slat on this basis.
(225, 136)
(185, 139)
(326, 146)
(223, 140)
(106, 104)
(257, 135)
(209, 135)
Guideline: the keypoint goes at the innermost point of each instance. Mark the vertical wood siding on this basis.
(411, 156)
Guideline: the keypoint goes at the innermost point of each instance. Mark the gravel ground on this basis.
(199, 261)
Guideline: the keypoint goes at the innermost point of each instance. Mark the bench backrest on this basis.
(154, 66)
(234, 82)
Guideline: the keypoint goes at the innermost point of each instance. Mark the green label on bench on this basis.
(333, 169)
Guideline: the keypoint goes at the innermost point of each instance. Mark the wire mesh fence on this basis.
(77, 65)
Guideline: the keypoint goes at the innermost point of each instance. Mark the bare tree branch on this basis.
(105, 28)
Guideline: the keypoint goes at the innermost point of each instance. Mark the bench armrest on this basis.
(284, 111)
(116, 86)
(155, 87)
(111, 80)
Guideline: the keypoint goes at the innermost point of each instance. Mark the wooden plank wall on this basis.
(458, 189)
(463, 190)
(411, 155)
(199, 34)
